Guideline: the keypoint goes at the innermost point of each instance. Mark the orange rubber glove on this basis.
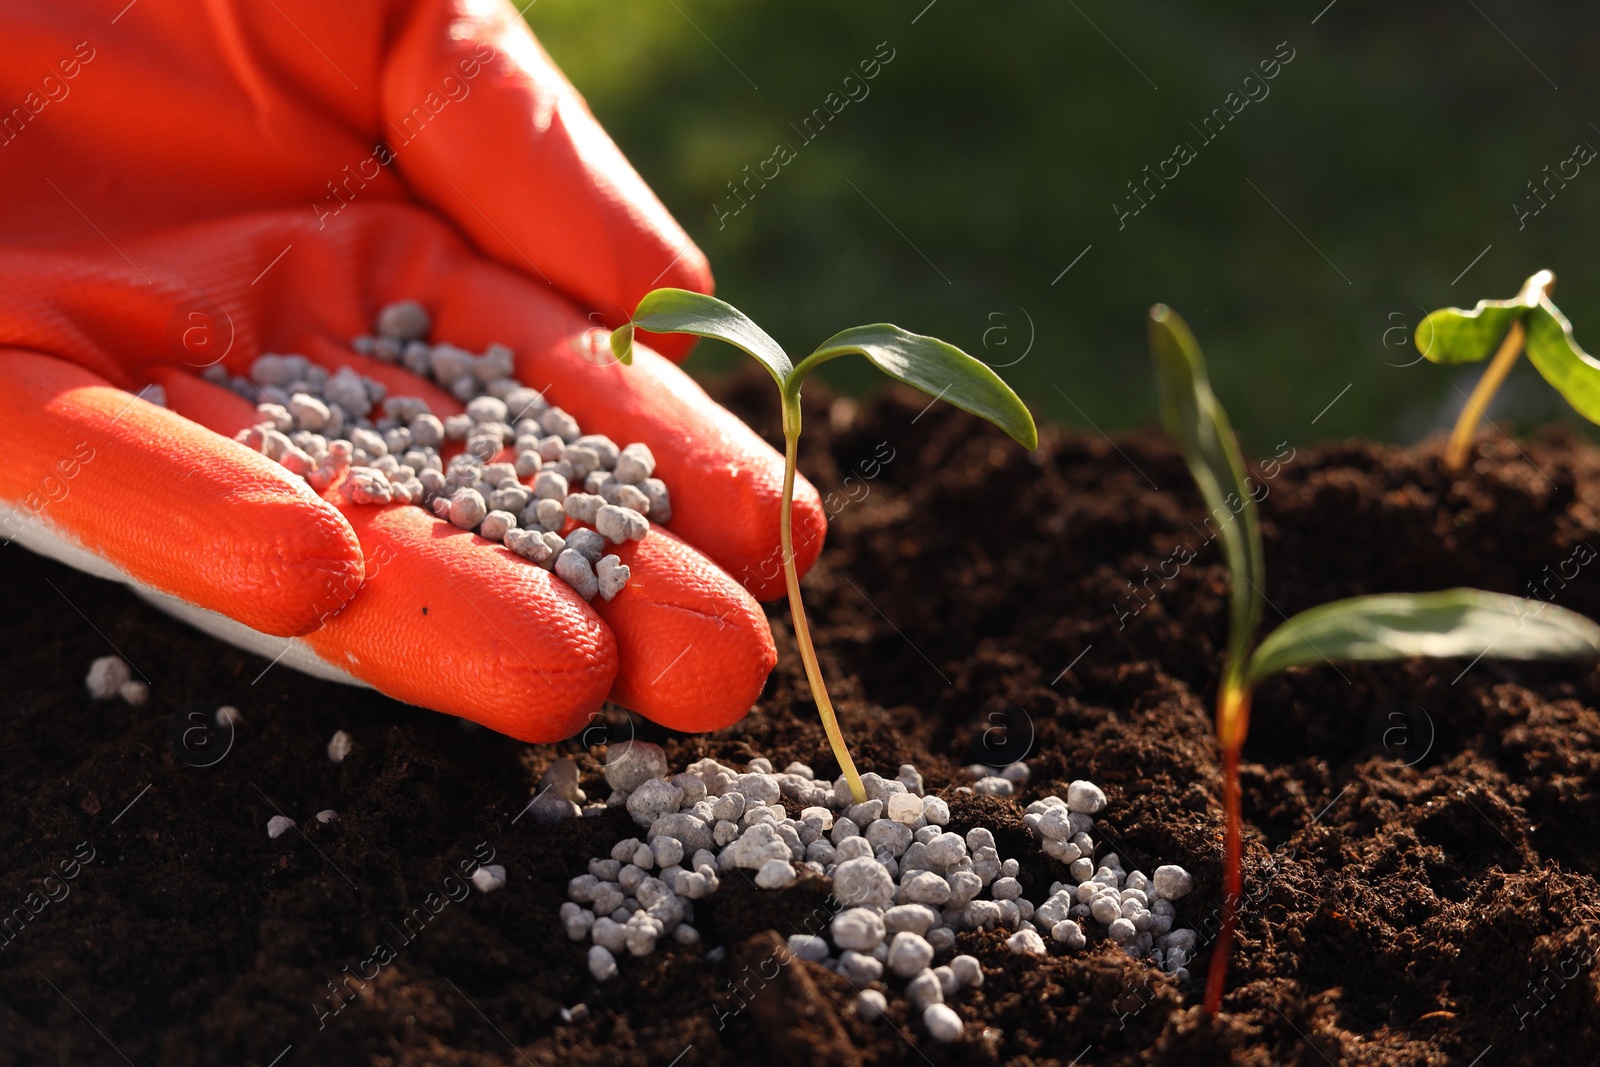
(189, 183)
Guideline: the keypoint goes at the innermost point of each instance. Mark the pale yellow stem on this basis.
(1467, 424)
(802, 631)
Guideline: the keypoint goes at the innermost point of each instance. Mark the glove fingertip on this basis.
(450, 622)
(694, 647)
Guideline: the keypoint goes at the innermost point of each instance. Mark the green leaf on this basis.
(939, 369)
(1452, 335)
(1569, 369)
(682, 311)
(1194, 418)
(1454, 623)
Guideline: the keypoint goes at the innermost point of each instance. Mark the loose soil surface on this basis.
(1423, 840)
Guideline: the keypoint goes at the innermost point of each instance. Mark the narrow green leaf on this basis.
(939, 369)
(1453, 623)
(1569, 369)
(1454, 335)
(1195, 419)
(682, 311)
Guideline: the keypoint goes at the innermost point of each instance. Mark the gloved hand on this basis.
(186, 184)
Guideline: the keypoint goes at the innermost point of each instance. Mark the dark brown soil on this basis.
(1423, 839)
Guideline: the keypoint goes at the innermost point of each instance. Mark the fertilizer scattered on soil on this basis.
(902, 887)
(489, 878)
(339, 746)
(110, 677)
(107, 675)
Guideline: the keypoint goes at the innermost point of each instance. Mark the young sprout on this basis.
(926, 363)
(1528, 321)
(1451, 623)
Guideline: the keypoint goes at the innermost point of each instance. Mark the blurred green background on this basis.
(1303, 242)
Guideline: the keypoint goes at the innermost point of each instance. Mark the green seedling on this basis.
(1506, 328)
(1451, 623)
(926, 363)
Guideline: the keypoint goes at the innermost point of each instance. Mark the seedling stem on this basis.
(1233, 718)
(1460, 448)
(1467, 423)
(797, 608)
